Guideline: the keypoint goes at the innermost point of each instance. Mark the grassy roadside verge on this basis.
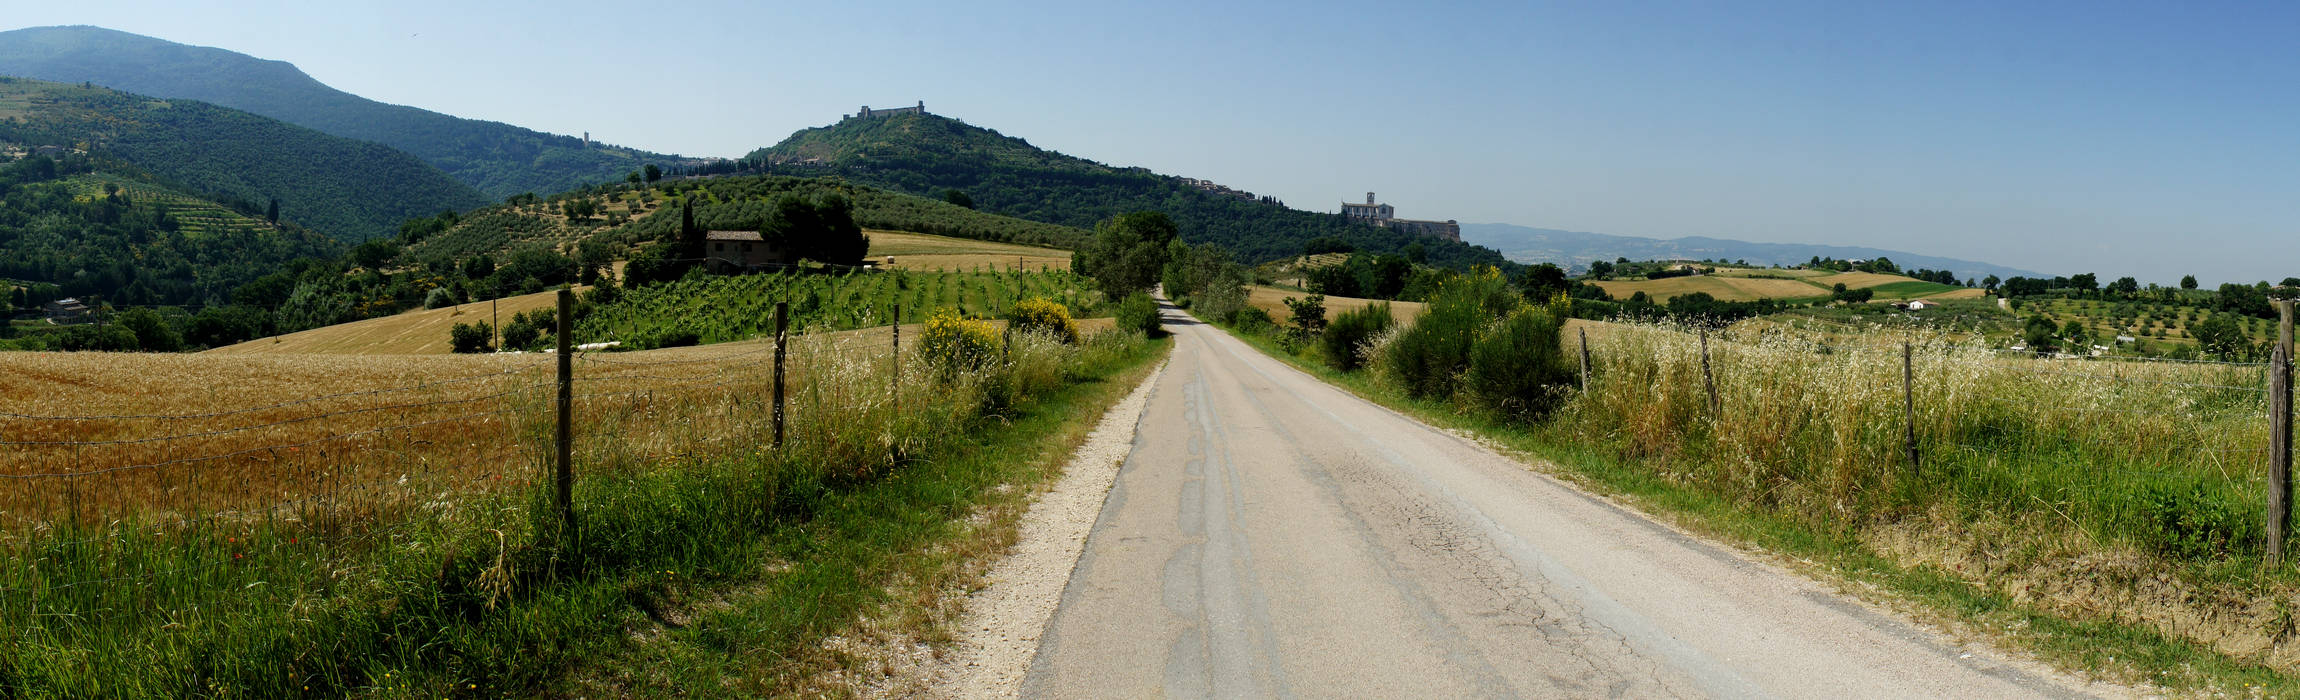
(683, 509)
(800, 614)
(2097, 647)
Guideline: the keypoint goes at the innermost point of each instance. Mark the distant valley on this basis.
(1577, 249)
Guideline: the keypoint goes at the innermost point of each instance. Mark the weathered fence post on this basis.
(897, 381)
(1708, 378)
(566, 433)
(782, 326)
(495, 327)
(2280, 433)
(1585, 359)
(1909, 403)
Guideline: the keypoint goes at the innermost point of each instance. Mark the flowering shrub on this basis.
(954, 343)
(1047, 317)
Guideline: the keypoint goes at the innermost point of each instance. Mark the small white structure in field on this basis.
(1920, 304)
(2127, 339)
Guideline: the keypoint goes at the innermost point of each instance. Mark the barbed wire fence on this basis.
(140, 512)
(2123, 417)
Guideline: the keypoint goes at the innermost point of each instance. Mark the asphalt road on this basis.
(1270, 535)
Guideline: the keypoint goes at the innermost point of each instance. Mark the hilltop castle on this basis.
(866, 112)
(1379, 214)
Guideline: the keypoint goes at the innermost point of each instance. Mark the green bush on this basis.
(471, 337)
(2187, 522)
(1518, 369)
(1351, 330)
(1251, 319)
(1138, 312)
(1309, 312)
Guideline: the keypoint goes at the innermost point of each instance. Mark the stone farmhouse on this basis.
(733, 251)
(1384, 215)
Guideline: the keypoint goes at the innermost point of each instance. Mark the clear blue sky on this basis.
(2145, 139)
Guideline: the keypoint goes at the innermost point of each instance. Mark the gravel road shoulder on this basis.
(998, 635)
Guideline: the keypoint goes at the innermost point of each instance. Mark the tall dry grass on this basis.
(2168, 456)
(193, 551)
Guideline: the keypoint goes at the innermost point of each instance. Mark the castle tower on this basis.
(1369, 197)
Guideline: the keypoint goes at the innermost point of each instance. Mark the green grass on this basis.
(491, 599)
(1672, 481)
(1911, 289)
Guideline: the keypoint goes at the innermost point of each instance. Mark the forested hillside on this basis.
(931, 155)
(351, 190)
(68, 230)
(498, 159)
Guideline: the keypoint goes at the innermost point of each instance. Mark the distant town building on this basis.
(1379, 214)
(866, 112)
(742, 251)
(67, 311)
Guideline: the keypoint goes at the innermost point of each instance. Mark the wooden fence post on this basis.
(782, 326)
(1585, 359)
(897, 359)
(1909, 403)
(566, 432)
(2280, 434)
(1708, 378)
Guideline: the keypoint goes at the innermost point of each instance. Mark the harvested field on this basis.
(1723, 288)
(918, 251)
(1272, 300)
(419, 332)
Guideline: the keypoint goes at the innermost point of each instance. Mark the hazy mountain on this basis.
(495, 158)
(926, 154)
(1531, 245)
(348, 189)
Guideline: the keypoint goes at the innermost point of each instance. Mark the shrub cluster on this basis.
(1045, 316)
(1350, 331)
(953, 344)
(1138, 313)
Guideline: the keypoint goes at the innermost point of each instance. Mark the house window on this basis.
(746, 247)
(720, 247)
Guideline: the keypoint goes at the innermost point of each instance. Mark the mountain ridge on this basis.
(346, 188)
(1526, 244)
(927, 154)
(495, 158)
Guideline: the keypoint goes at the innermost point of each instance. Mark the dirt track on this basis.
(1270, 535)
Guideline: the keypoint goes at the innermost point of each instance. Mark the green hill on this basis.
(351, 190)
(128, 240)
(627, 216)
(497, 159)
(925, 154)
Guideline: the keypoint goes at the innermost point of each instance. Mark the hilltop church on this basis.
(1379, 214)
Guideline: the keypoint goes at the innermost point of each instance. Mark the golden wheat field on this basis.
(101, 437)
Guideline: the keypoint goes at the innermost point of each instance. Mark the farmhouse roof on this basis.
(734, 236)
